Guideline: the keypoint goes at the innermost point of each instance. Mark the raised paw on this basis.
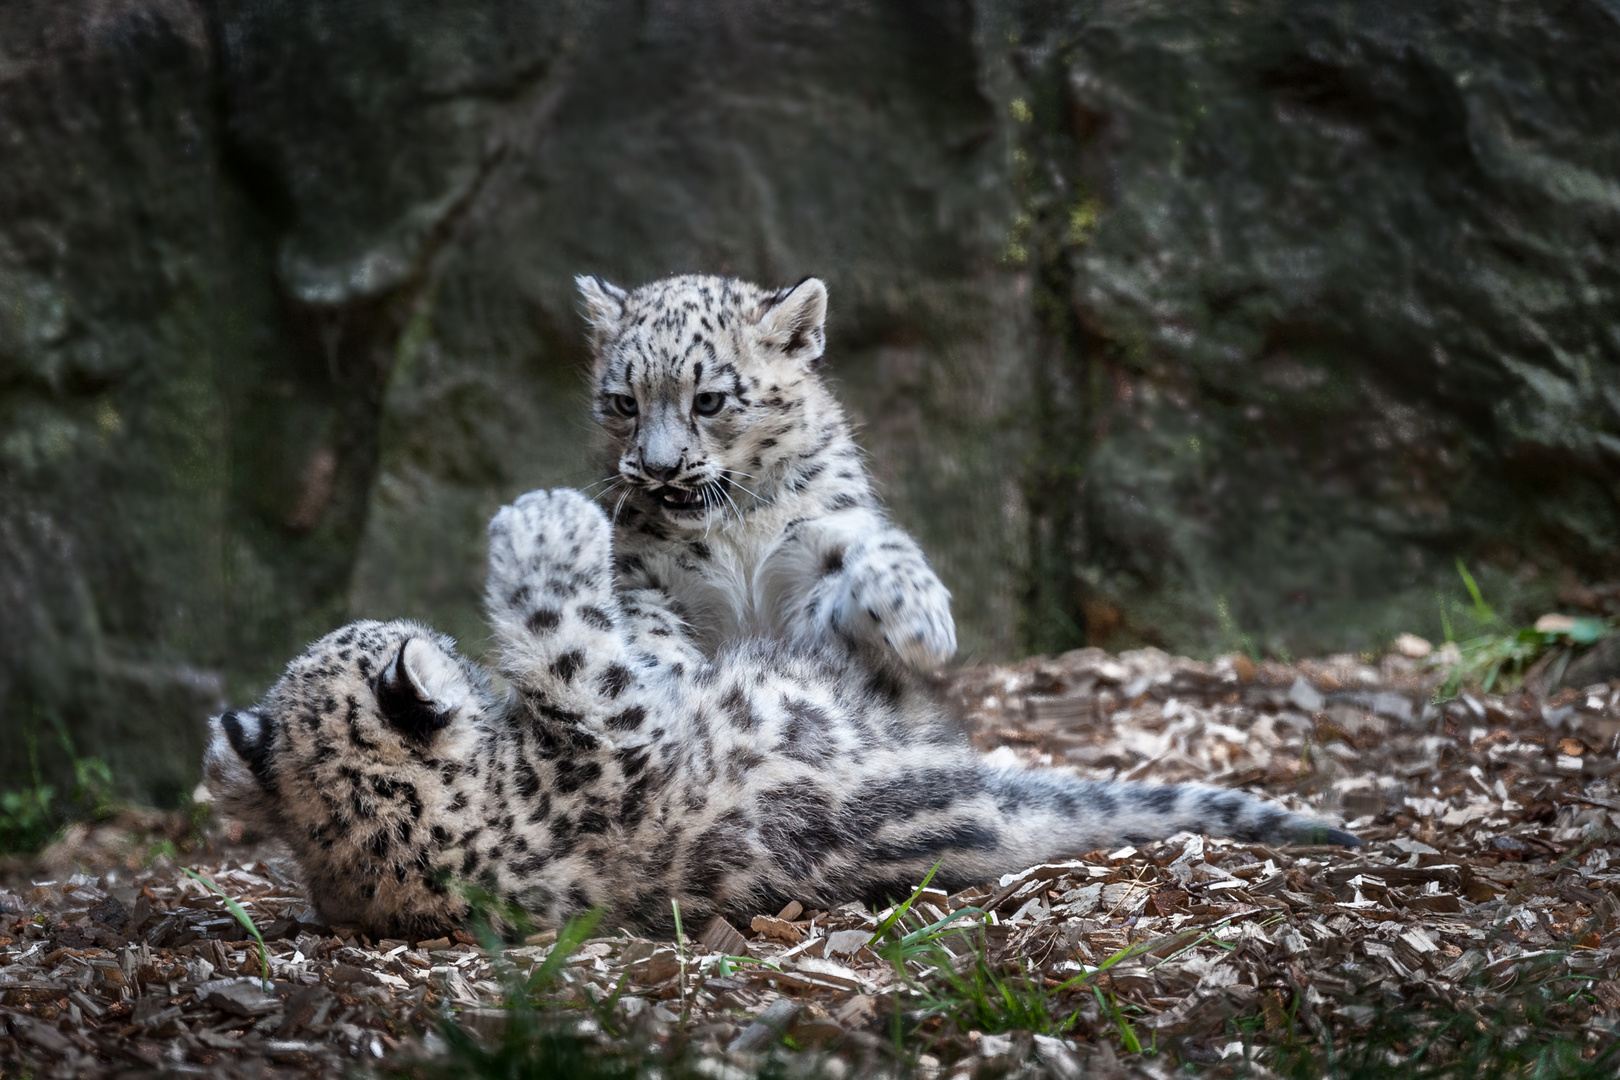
(550, 546)
(896, 602)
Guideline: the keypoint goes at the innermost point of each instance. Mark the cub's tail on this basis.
(1091, 814)
(984, 820)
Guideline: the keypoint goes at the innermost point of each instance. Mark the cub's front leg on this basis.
(558, 625)
(874, 587)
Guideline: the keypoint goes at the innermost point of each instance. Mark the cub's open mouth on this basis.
(680, 499)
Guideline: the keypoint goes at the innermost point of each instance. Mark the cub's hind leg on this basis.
(559, 628)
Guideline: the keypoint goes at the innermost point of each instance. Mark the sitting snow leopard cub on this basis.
(740, 493)
(626, 770)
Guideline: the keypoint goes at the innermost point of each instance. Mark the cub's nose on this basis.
(662, 473)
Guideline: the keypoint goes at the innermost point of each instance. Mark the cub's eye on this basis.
(622, 404)
(708, 403)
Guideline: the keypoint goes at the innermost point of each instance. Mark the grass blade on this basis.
(900, 910)
(569, 939)
(1482, 610)
(242, 917)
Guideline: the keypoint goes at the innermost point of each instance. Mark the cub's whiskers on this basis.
(730, 478)
(614, 517)
(609, 480)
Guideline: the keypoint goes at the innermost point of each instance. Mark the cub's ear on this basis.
(421, 689)
(249, 737)
(793, 322)
(604, 305)
(239, 768)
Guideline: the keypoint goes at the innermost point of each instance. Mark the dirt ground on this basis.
(1491, 858)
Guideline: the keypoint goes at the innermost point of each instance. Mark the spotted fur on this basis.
(626, 769)
(738, 489)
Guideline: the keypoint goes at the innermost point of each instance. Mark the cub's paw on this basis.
(558, 544)
(898, 604)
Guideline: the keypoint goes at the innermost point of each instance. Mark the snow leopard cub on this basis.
(739, 492)
(626, 770)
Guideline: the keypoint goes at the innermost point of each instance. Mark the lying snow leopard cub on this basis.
(626, 770)
(739, 491)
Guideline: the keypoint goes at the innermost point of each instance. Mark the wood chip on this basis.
(719, 936)
(776, 929)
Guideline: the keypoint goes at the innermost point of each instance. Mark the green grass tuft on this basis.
(30, 817)
(1499, 654)
(535, 1040)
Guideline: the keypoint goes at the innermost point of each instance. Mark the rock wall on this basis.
(112, 424)
(1330, 297)
(1207, 324)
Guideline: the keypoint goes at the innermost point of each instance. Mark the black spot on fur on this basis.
(833, 562)
(715, 853)
(632, 759)
(1265, 827)
(740, 762)
(932, 844)
(900, 798)
(886, 686)
(808, 734)
(528, 781)
(628, 720)
(1225, 806)
(572, 775)
(740, 709)
(1160, 799)
(611, 683)
(595, 617)
(797, 826)
(543, 620)
(566, 666)
(633, 805)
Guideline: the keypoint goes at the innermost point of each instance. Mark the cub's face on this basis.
(356, 758)
(705, 386)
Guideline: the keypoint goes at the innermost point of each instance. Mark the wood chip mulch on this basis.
(1492, 830)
